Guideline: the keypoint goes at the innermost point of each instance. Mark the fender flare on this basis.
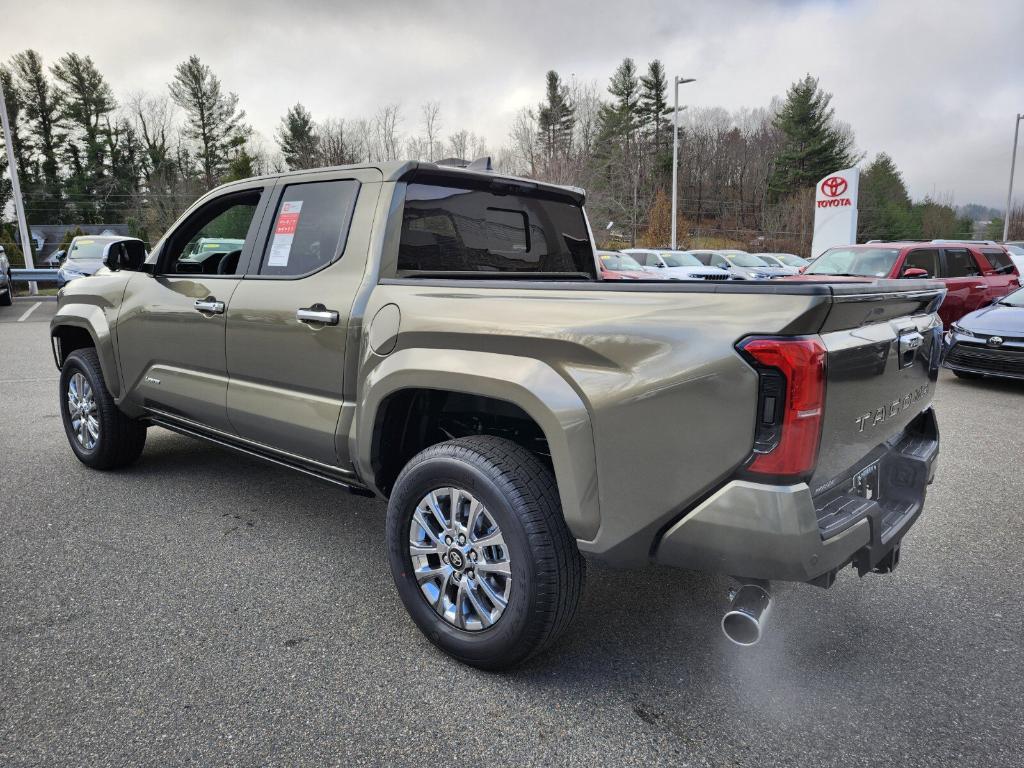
(91, 319)
(528, 383)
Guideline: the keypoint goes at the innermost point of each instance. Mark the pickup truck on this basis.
(439, 337)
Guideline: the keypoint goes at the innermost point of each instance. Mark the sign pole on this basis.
(12, 167)
(1009, 195)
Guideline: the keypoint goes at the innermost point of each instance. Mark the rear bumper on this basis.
(784, 533)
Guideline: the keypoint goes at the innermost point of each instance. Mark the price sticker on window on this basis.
(284, 233)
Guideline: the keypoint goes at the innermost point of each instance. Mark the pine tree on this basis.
(622, 115)
(298, 139)
(813, 143)
(884, 204)
(555, 119)
(86, 101)
(654, 103)
(214, 121)
(42, 108)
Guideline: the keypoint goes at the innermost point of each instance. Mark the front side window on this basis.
(211, 241)
(926, 259)
(960, 263)
(310, 227)
(456, 229)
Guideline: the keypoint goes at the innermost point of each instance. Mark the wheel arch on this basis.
(506, 386)
(88, 328)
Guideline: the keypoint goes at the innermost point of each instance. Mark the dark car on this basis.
(85, 256)
(6, 284)
(989, 341)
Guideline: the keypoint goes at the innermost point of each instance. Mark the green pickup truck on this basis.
(440, 337)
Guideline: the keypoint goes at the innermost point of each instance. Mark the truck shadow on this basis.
(634, 628)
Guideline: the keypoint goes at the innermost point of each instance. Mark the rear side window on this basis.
(452, 229)
(1000, 260)
(310, 227)
(960, 263)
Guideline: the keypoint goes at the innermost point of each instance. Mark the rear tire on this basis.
(7, 299)
(519, 503)
(101, 436)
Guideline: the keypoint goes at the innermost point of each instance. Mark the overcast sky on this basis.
(935, 83)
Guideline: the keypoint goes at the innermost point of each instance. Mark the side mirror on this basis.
(659, 265)
(125, 254)
(914, 272)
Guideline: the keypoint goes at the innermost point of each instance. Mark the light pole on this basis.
(19, 209)
(675, 152)
(1009, 195)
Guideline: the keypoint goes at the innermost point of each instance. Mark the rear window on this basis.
(452, 229)
(1000, 260)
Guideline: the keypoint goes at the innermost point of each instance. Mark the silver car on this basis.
(6, 284)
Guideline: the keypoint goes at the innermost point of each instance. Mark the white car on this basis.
(741, 265)
(790, 262)
(1016, 252)
(676, 265)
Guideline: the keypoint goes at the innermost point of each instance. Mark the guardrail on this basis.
(34, 275)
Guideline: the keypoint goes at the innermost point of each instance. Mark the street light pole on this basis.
(675, 153)
(1009, 195)
(19, 208)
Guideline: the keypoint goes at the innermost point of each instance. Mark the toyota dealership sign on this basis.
(835, 211)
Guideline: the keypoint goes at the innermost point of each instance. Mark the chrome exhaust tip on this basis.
(744, 622)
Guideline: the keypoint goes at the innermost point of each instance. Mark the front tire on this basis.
(480, 552)
(101, 436)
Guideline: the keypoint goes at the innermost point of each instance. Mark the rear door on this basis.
(288, 323)
(170, 329)
(1000, 272)
(966, 285)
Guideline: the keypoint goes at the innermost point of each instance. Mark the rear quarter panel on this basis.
(670, 402)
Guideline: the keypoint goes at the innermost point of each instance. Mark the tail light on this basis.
(790, 405)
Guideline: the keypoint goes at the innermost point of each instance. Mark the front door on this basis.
(288, 322)
(170, 333)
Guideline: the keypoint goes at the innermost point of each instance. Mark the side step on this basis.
(252, 450)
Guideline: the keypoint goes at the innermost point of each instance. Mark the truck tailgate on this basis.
(883, 357)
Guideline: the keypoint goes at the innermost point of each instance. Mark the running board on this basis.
(249, 450)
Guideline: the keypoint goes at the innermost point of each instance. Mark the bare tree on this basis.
(432, 130)
(386, 128)
(338, 143)
(458, 144)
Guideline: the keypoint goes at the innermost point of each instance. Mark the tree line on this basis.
(746, 177)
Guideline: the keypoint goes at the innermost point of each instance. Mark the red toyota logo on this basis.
(833, 186)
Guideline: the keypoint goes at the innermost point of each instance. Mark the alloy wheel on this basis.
(460, 559)
(83, 412)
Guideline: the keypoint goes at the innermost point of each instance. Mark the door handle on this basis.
(317, 314)
(981, 287)
(211, 305)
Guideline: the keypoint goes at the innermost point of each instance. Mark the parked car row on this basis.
(666, 264)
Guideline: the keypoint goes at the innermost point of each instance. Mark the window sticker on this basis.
(284, 233)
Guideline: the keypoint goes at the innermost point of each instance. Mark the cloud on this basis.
(935, 84)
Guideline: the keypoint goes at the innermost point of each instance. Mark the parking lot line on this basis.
(29, 311)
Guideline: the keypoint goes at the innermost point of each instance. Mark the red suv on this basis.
(975, 274)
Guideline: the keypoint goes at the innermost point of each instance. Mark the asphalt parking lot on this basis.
(205, 608)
